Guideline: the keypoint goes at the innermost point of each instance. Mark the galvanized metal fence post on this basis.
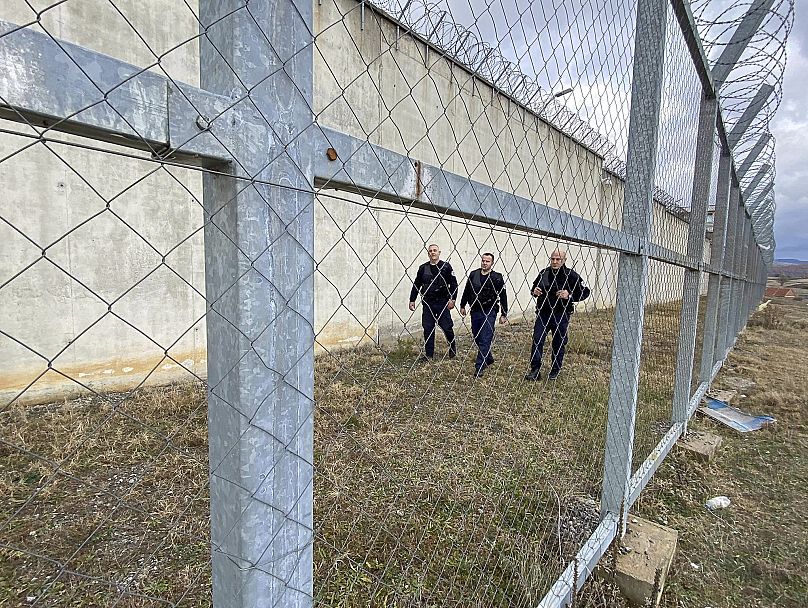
(728, 288)
(717, 282)
(762, 275)
(753, 280)
(632, 280)
(748, 262)
(746, 282)
(743, 243)
(688, 320)
(736, 264)
(259, 280)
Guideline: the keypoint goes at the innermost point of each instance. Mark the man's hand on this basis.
(412, 305)
(537, 292)
(563, 294)
(450, 305)
(503, 319)
(462, 311)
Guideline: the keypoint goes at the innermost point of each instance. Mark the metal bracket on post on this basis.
(762, 196)
(753, 155)
(259, 276)
(632, 281)
(740, 39)
(749, 114)
(750, 189)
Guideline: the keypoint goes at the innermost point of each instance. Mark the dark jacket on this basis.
(435, 283)
(485, 293)
(550, 281)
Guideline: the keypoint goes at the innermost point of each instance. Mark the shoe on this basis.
(533, 375)
(478, 373)
(553, 374)
(490, 360)
(452, 354)
(423, 359)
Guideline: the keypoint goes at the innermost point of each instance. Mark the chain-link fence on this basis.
(287, 292)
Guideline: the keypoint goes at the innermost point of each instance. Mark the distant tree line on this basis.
(785, 272)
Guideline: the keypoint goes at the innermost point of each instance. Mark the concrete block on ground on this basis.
(647, 549)
(700, 444)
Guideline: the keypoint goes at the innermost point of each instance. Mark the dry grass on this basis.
(107, 500)
(432, 488)
(754, 553)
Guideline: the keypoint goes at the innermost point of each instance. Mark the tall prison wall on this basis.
(130, 230)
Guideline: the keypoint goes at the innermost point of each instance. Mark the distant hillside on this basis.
(789, 261)
(795, 269)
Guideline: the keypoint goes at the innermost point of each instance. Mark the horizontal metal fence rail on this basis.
(299, 403)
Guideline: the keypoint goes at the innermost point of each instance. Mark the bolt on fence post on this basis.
(632, 278)
(710, 341)
(259, 281)
(689, 317)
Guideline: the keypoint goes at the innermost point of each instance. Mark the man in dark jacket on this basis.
(485, 291)
(436, 282)
(555, 289)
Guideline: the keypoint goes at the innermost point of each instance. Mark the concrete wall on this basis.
(129, 231)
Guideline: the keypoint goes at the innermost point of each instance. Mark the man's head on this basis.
(486, 262)
(433, 251)
(557, 259)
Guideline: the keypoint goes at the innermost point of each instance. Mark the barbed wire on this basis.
(237, 374)
(762, 63)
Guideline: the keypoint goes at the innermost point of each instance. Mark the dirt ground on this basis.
(755, 552)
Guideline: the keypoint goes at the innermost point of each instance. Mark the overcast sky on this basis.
(790, 128)
(555, 42)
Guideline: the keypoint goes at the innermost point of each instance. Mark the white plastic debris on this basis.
(717, 502)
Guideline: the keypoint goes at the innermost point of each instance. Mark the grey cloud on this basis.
(790, 127)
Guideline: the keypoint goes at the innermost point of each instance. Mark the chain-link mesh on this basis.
(336, 294)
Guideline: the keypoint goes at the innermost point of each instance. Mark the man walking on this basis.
(555, 289)
(485, 291)
(436, 282)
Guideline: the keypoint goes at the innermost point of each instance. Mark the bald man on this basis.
(436, 283)
(556, 289)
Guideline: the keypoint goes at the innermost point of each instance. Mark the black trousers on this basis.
(545, 323)
(436, 313)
